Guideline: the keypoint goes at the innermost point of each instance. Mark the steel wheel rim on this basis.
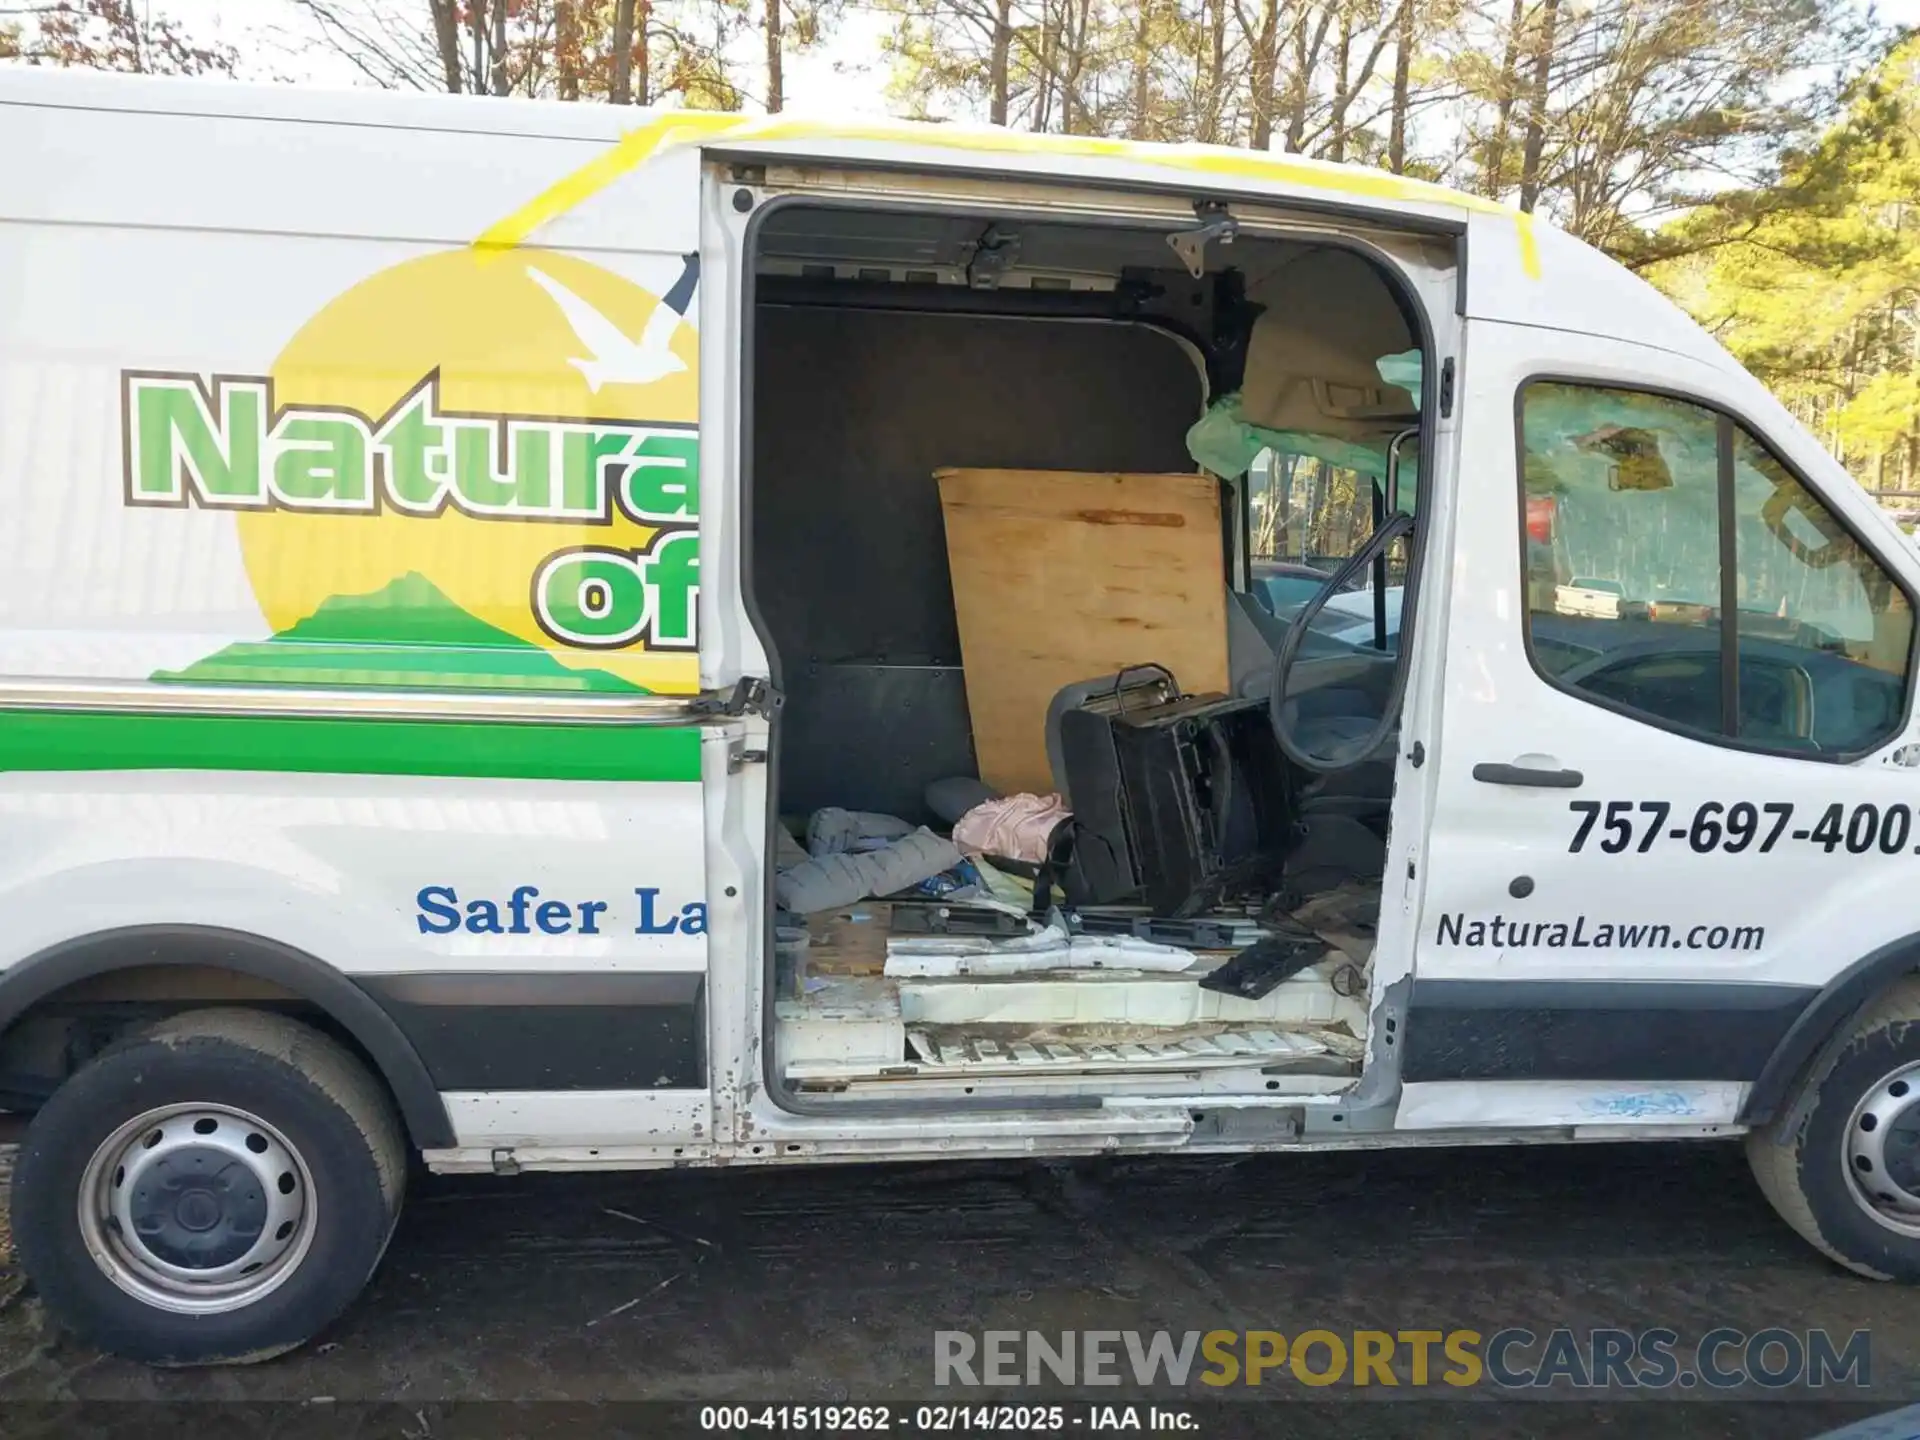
(199, 1208)
(1881, 1155)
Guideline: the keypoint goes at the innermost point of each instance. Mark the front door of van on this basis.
(1666, 810)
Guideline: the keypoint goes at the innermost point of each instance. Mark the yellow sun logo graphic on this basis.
(522, 501)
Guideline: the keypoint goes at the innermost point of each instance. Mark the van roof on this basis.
(1510, 252)
(1021, 150)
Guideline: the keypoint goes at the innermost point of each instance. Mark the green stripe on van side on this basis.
(112, 740)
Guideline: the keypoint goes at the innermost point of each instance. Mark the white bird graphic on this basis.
(612, 358)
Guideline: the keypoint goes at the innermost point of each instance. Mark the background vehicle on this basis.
(1281, 586)
(1588, 596)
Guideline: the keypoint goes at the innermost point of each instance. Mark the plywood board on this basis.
(1061, 576)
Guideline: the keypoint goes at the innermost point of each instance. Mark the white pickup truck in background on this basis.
(1597, 598)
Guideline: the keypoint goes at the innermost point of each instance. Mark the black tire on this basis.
(312, 1090)
(1800, 1157)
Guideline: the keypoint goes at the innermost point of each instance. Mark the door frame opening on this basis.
(1066, 204)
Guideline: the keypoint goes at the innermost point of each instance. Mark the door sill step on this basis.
(937, 1056)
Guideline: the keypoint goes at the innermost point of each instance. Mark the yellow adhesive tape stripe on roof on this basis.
(694, 127)
(628, 153)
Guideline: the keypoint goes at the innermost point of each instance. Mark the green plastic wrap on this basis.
(1224, 443)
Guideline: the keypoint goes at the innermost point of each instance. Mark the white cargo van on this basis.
(451, 544)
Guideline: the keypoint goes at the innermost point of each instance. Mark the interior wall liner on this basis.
(856, 409)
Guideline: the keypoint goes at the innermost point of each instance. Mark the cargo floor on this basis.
(842, 1020)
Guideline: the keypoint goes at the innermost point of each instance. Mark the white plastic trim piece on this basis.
(927, 957)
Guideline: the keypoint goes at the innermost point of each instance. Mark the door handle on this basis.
(1520, 775)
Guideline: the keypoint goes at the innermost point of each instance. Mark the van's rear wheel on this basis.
(214, 1189)
(1841, 1161)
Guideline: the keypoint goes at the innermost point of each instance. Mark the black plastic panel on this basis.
(854, 412)
(1595, 1029)
(870, 737)
(552, 1030)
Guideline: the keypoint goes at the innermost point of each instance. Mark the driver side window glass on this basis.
(1661, 537)
(1814, 603)
(1623, 549)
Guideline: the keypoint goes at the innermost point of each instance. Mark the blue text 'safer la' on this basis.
(441, 912)
(691, 919)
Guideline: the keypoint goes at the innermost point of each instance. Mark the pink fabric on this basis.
(1016, 826)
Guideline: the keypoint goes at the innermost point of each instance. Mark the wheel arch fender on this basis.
(41, 974)
(1824, 1022)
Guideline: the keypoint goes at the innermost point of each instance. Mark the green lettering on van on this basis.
(211, 442)
(220, 443)
(591, 597)
(408, 438)
(324, 461)
(473, 473)
(584, 456)
(663, 483)
(532, 466)
(672, 569)
(180, 444)
(473, 469)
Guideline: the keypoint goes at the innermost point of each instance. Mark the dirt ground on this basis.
(824, 1285)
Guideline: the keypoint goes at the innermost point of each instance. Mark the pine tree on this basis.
(1814, 281)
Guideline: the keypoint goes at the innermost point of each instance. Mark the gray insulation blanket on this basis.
(829, 880)
(787, 851)
(832, 829)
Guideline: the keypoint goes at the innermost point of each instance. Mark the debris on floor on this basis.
(848, 940)
(842, 877)
(1266, 963)
(1003, 887)
(903, 953)
(918, 918)
(833, 831)
(854, 855)
(1016, 827)
(1051, 948)
(977, 1054)
(1213, 932)
(787, 851)
(1346, 917)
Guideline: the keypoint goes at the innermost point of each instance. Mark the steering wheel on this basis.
(1392, 528)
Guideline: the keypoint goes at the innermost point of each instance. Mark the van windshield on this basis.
(1309, 516)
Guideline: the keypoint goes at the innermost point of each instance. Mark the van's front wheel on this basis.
(214, 1189)
(1841, 1161)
